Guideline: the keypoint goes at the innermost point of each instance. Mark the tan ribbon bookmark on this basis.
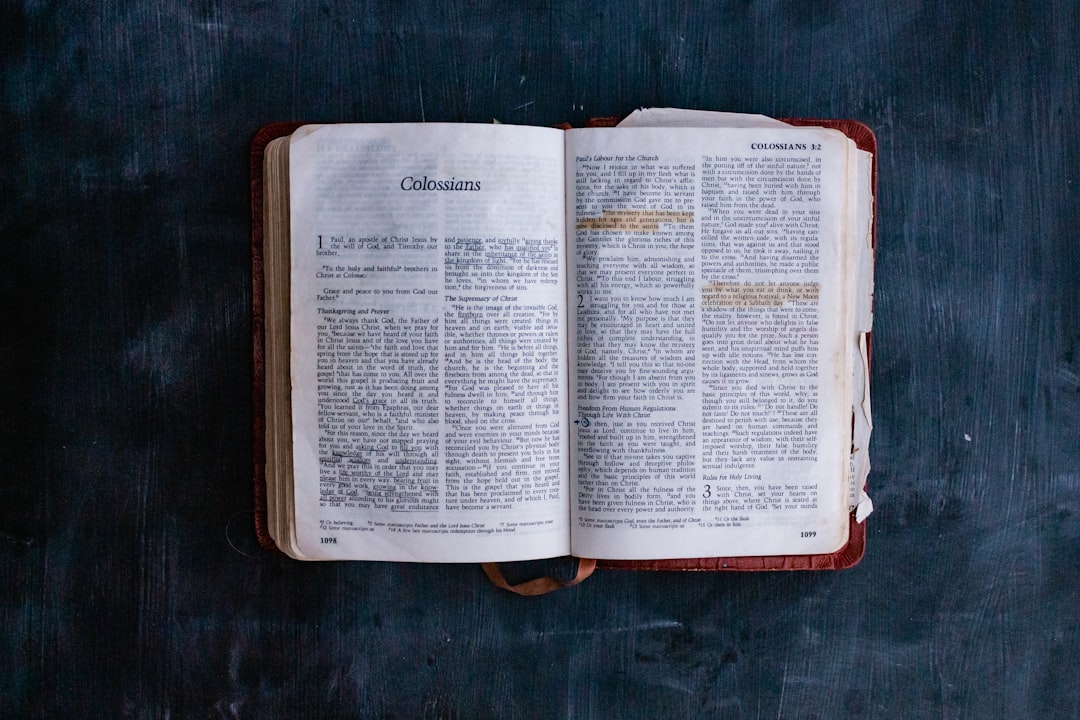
(540, 585)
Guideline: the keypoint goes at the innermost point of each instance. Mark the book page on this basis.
(679, 117)
(712, 334)
(429, 358)
(860, 258)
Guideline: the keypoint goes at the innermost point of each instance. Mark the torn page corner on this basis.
(864, 508)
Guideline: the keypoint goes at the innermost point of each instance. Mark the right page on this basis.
(714, 288)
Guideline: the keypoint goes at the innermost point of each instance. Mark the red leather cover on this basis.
(258, 359)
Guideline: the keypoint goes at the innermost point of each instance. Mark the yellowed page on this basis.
(711, 330)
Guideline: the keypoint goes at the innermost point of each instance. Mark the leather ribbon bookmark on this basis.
(540, 585)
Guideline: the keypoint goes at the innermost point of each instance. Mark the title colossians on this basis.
(411, 183)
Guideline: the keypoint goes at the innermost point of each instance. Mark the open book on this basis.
(640, 343)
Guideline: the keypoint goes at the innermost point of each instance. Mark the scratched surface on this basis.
(130, 585)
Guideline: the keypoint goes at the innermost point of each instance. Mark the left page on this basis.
(428, 359)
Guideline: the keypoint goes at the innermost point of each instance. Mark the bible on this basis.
(645, 343)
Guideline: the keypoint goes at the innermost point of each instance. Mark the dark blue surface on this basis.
(130, 584)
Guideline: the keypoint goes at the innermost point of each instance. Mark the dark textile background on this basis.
(130, 584)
